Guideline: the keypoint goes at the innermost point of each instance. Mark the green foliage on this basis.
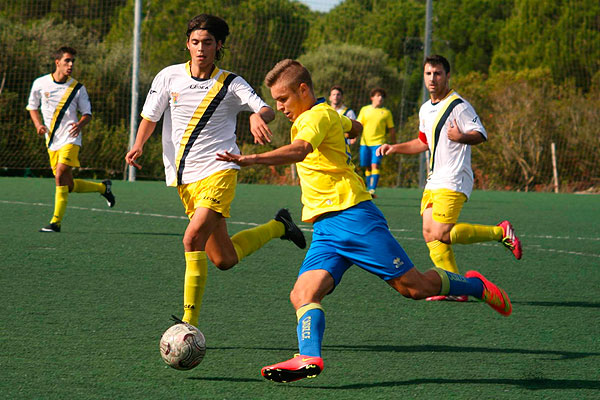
(357, 69)
(560, 35)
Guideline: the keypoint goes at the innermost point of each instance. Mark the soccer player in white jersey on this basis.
(60, 98)
(336, 99)
(449, 126)
(200, 103)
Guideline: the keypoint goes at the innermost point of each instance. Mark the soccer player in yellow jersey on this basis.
(449, 126)
(377, 122)
(61, 98)
(348, 227)
(200, 104)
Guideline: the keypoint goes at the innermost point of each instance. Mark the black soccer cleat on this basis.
(53, 227)
(292, 232)
(108, 194)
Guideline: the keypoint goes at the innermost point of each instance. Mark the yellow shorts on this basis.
(446, 204)
(68, 155)
(215, 192)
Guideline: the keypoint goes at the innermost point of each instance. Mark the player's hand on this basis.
(75, 129)
(383, 150)
(132, 155)
(239, 159)
(42, 130)
(453, 132)
(259, 129)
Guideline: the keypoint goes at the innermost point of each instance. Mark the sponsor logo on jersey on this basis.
(199, 86)
(174, 97)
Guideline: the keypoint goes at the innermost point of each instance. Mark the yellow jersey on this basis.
(375, 122)
(327, 175)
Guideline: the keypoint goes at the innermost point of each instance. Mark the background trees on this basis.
(530, 68)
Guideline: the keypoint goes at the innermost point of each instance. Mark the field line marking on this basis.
(308, 228)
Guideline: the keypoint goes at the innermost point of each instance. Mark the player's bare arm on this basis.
(258, 125)
(288, 154)
(77, 126)
(40, 128)
(472, 137)
(392, 133)
(414, 146)
(356, 130)
(143, 134)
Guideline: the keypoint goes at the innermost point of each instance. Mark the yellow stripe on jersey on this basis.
(61, 107)
(441, 118)
(200, 117)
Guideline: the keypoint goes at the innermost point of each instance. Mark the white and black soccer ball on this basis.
(182, 346)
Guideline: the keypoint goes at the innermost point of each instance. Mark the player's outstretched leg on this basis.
(492, 294)
(510, 240)
(292, 232)
(294, 369)
(108, 194)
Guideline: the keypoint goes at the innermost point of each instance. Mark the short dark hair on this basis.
(64, 49)
(379, 90)
(292, 71)
(436, 59)
(214, 25)
(338, 88)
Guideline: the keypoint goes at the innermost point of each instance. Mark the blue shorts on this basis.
(368, 155)
(358, 235)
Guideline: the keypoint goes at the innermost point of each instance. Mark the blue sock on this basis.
(374, 180)
(455, 284)
(311, 326)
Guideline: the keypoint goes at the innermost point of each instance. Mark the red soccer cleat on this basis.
(294, 369)
(459, 299)
(510, 240)
(493, 295)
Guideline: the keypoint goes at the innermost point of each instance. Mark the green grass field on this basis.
(82, 311)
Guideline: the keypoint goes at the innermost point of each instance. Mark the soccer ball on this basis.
(182, 346)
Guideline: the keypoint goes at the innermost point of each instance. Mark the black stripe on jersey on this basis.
(202, 123)
(440, 125)
(62, 112)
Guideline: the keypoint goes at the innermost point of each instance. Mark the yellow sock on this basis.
(248, 241)
(196, 270)
(81, 186)
(61, 197)
(472, 233)
(442, 256)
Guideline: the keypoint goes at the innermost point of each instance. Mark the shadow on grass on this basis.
(559, 355)
(222, 379)
(530, 384)
(582, 304)
(562, 355)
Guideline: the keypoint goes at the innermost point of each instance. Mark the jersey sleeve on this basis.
(312, 130)
(350, 114)
(389, 120)
(361, 116)
(83, 102)
(468, 120)
(248, 99)
(35, 96)
(346, 123)
(157, 99)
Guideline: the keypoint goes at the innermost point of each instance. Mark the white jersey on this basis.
(199, 119)
(450, 162)
(346, 111)
(59, 105)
